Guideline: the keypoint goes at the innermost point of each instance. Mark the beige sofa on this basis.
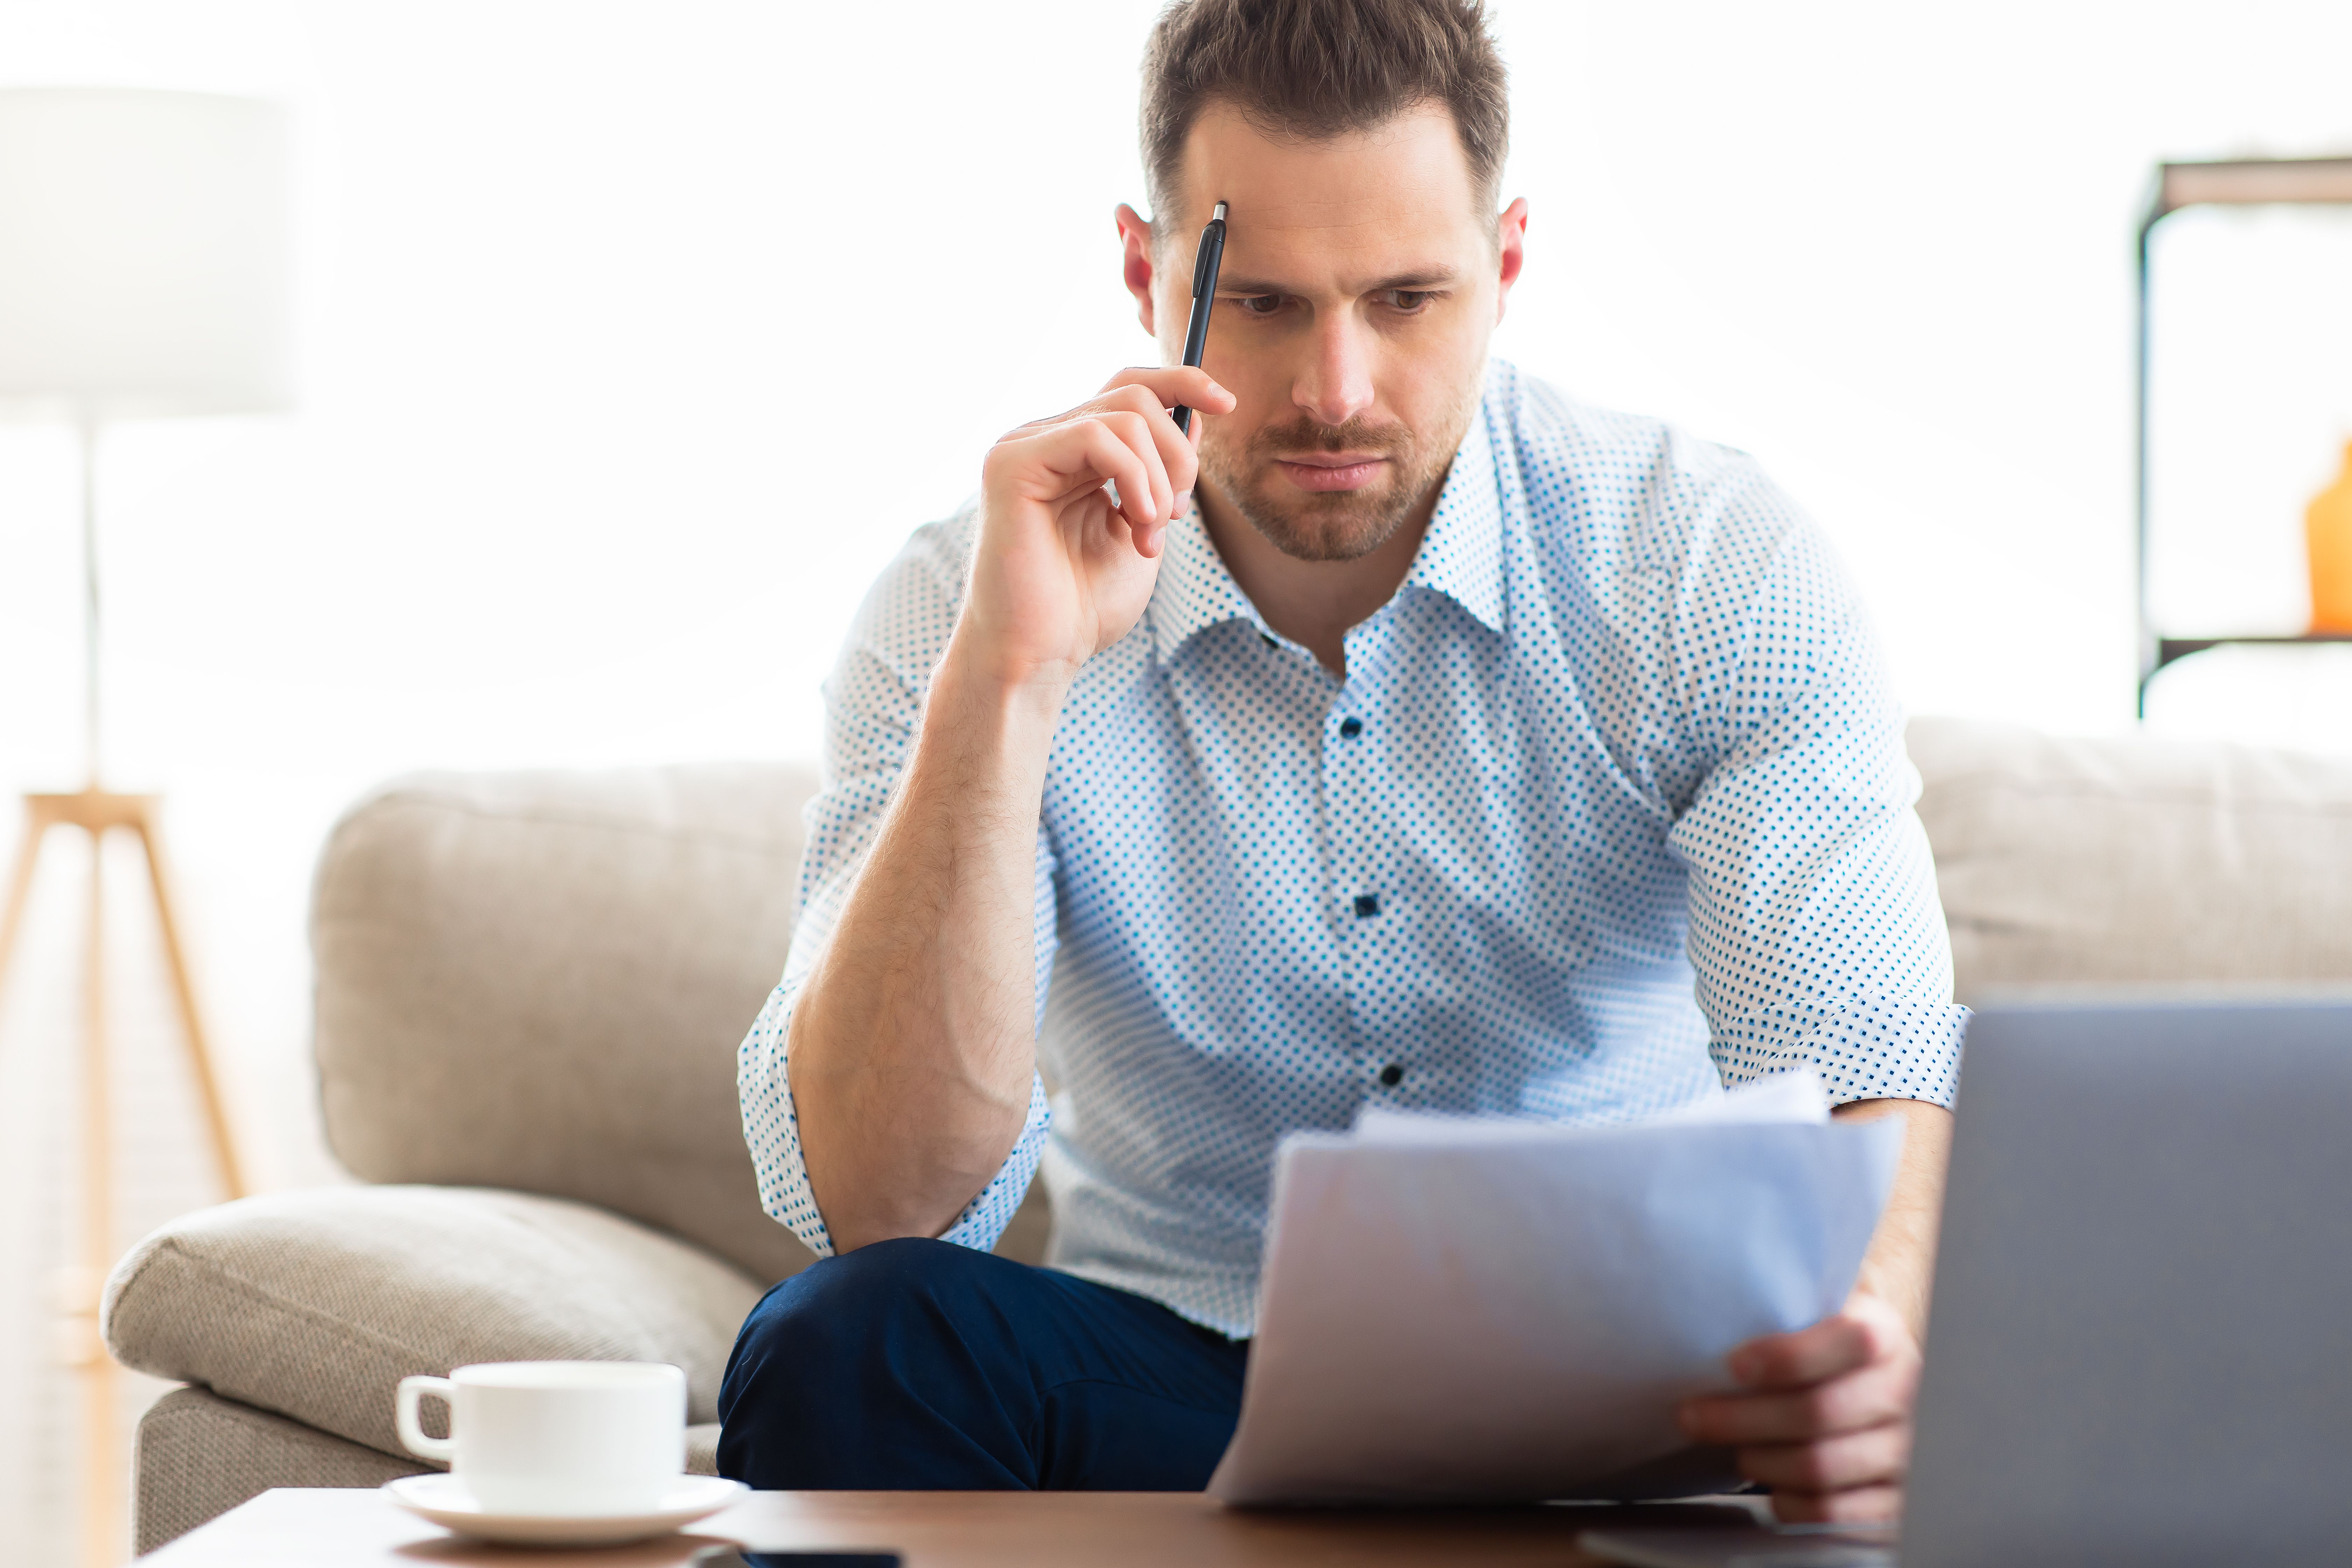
(530, 987)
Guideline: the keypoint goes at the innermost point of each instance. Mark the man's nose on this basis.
(1337, 383)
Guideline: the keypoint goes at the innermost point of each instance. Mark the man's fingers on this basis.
(1151, 393)
(1863, 1505)
(1826, 1416)
(1175, 454)
(1123, 438)
(1148, 507)
(1858, 1400)
(1834, 1345)
(1141, 389)
(1177, 385)
(1136, 423)
(1831, 1346)
(1071, 461)
(1178, 454)
(1873, 1458)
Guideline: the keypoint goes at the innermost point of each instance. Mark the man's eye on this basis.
(1410, 299)
(1259, 304)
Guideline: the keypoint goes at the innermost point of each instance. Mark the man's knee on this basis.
(889, 1273)
(819, 1323)
(826, 1354)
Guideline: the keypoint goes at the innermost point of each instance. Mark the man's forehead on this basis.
(1396, 194)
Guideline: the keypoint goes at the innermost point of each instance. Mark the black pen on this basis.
(1205, 262)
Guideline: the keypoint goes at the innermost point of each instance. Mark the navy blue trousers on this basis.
(920, 1364)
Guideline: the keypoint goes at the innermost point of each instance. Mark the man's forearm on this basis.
(1900, 1267)
(912, 1044)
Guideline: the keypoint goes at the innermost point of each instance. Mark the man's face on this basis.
(1359, 290)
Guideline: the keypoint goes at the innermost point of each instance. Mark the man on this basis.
(1407, 735)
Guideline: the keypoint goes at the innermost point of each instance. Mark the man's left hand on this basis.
(1823, 1416)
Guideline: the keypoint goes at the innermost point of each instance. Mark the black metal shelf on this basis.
(2170, 651)
(2237, 182)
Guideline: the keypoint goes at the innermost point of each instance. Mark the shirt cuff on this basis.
(985, 1218)
(1873, 1047)
(772, 1129)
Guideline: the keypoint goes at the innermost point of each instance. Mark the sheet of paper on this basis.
(1502, 1310)
(1785, 1096)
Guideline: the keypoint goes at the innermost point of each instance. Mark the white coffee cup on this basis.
(556, 1438)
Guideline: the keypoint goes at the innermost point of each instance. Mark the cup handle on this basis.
(403, 1418)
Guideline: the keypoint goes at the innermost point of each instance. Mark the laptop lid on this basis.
(2140, 1347)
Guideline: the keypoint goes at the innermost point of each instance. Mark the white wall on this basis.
(636, 337)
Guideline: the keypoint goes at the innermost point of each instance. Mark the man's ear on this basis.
(1512, 245)
(1135, 236)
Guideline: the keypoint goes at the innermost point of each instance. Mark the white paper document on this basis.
(1463, 1309)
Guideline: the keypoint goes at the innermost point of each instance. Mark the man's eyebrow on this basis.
(1412, 282)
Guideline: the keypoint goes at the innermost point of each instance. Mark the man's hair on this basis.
(1319, 68)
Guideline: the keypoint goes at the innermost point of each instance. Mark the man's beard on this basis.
(1332, 525)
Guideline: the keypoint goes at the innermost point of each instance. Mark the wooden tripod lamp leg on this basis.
(191, 1022)
(97, 812)
(37, 824)
(80, 1345)
(102, 1492)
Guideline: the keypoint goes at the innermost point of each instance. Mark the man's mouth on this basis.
(1331, 470)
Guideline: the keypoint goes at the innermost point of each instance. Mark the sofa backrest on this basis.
(2131, 861)
(538, 980)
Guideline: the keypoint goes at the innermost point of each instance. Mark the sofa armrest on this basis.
(198, 1456)
(315, 1304)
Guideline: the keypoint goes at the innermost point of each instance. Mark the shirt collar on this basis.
(1194, 590)
(1461, 556)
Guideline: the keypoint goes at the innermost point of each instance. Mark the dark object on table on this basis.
(730, 1557)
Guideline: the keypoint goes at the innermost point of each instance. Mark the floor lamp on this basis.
(142, 274)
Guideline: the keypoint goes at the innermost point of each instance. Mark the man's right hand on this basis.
(1061, 572)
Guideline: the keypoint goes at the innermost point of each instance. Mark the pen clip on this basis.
(1211, 251)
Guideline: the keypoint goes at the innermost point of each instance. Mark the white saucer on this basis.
(445, 1500)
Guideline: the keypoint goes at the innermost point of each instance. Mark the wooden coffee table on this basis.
(334, 1529)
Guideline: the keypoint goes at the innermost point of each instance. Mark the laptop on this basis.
(2140, 1346)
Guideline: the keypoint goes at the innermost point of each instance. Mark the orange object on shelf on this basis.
(2327, 527)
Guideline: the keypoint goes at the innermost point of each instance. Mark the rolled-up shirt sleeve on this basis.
(1815, 930)
(874, 703)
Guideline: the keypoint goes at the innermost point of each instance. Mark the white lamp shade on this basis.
(143, 253)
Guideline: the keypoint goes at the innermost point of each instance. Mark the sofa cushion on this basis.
(540, 979)
(2135, 861)
(315, 1304)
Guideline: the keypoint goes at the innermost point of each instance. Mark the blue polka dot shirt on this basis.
(1611, 811)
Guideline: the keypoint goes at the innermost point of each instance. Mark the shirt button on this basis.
(1367, 905)
(1391, 1076)
(1351, 728)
